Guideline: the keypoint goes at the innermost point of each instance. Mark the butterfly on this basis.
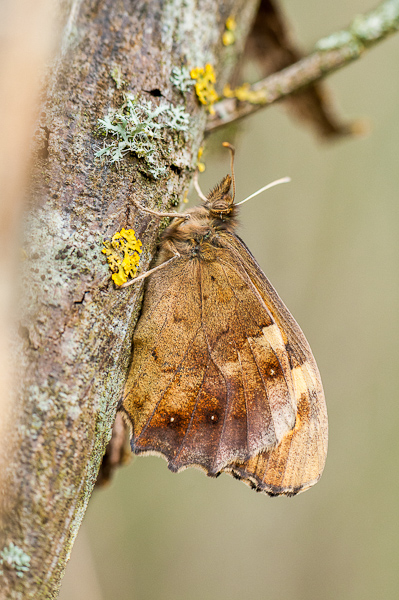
(222, 377)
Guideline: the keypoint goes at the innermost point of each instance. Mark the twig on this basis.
(332, 53)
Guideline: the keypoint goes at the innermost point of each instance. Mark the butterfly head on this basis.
(219, 201)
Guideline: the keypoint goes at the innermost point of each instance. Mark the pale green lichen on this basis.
(116, 75)
(74, 412)
(178, 119)
(181, 79)
(36, 422)
(137, 127)
(123, 255)
(340, 39)
(13, 557)
(44, 404)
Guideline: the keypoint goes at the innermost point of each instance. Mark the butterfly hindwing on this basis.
(210, 382)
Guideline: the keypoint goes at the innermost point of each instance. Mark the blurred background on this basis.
(329, 243)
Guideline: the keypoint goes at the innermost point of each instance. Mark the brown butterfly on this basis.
(222, 377)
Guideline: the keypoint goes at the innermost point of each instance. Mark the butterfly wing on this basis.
(210, 383)
(297, 462)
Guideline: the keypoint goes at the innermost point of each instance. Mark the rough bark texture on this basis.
(76, 332)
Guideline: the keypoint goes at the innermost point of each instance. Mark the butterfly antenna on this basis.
(233, 151)
(197, 187)
(266, 187)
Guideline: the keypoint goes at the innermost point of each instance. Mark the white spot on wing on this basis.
(273, 336)
(299, 381)
(304, 382)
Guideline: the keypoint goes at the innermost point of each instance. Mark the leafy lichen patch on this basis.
(181, 79)
(116, 75)
(244, 93)
(13, 557)
(205, 80)
(138, 127)
(123, 255)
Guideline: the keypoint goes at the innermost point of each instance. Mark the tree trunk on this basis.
(74, 347)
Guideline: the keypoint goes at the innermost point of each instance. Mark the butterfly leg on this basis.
(151, 271)
(161, 215)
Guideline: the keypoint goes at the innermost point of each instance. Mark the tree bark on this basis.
(75, 337)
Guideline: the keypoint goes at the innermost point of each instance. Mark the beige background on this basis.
(329, 243)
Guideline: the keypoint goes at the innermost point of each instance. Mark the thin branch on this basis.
(332, 53)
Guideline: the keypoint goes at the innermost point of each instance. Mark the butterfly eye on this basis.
(220, 209)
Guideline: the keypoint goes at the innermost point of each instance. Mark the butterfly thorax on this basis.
(195, 235)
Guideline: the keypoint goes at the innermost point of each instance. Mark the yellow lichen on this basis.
(123, 255)
(244, 93)
(229, 36)
(204, 86)
(200, 165)
(231, 23)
